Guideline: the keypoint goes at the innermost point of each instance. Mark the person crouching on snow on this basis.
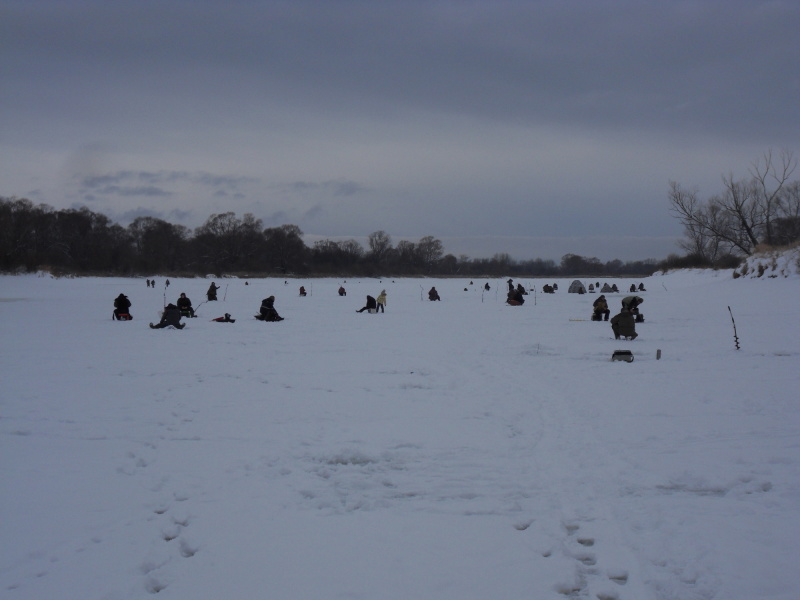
(267, 311)
(624, 325)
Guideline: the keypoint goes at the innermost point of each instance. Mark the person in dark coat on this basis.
(170, 317)
(515, 298)
(303, 290)
(212, 292)
(433, 295)
(371, 306)
(267, 311)
(122, 308)
(624, 325)
(487, 287)
(548, 289)
(342, 291)
(601, 310)
(185, 305)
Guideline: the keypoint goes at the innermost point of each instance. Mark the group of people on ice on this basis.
(623, 324)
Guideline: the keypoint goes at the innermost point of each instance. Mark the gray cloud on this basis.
(460, 119)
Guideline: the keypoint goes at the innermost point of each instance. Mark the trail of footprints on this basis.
(591, 581)
(172, 524)
(171, 518)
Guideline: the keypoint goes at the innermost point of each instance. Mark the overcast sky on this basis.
(535, 128)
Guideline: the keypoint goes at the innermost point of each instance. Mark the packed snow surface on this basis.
(462, 449)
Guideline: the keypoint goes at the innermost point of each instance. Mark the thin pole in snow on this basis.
(735, 337)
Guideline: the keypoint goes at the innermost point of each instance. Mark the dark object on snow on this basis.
(303, 290)
(342, 291)
(122, 308)
(267, 311)
(185, 306)
(225, 319)
(548, 289)
(211, 294)
(371, 306)
(601, 310)
(170, 318)
(624, 325)
(625, 355)
(632, 303)
(433, 295)
(515, 298)
(735, 337)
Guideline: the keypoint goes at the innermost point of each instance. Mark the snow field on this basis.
(457, 449)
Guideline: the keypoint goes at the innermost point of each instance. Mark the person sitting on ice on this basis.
(185, 306)
(548, 289)
(122, 308)
(601, 310)
(521, 289)
(303, 290)
(267, 311)
(624, 325)
(342, 291)
(641, 288)
(433, 295)
(371, 305)
(515, 298)
(171, 317)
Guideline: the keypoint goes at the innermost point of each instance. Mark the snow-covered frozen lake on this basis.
(452, 450)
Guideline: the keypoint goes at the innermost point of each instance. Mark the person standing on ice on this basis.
(170, 317)
(624, 325)
(381, 300)
(212, 292)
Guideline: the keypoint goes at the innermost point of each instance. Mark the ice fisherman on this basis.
(624, 325)
(122, 308)
(170, 317)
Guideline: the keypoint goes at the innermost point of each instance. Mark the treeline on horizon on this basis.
(80, 241)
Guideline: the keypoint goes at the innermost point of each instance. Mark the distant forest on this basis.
(83, 242)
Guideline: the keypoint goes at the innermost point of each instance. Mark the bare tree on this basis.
(743, 216)
(380, 245)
